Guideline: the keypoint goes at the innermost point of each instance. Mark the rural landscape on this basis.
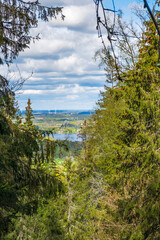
(63, 126)
(62, 121)
(67, 172)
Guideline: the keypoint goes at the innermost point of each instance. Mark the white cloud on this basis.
(72, 97)
(72, 89)
(62, 60)
(65, 75)
(30, 92)
(64, 2)
(79, 18)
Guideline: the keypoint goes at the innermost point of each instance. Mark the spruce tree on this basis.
(123, 142)
(29, 114)
(19, 181)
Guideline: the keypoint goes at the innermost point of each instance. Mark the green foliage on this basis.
(117, 182)
(29, 114)
(23, 181)
(112, 190)
(123, 145)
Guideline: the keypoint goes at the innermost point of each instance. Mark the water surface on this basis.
(71, 137)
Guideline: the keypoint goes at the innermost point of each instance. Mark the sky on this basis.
(59, 70)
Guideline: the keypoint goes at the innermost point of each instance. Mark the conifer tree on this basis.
(29, 114)
(124, 140)
(19, 182)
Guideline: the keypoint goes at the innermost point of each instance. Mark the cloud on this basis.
(72, 97)
(64, 2)
(63, 89)
(30, 92)
(78, 18)
(64, 72)
(59, 68)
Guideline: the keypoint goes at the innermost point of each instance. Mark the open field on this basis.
(60, 121)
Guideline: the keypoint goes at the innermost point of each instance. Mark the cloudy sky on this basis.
(59, 69)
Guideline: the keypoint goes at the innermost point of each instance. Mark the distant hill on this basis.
(86, 112)
(57, 112)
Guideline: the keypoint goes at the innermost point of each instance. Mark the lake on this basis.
(71, 137)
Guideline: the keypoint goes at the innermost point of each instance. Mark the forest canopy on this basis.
(111, 190)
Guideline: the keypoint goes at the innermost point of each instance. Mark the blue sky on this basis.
(59, 69)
